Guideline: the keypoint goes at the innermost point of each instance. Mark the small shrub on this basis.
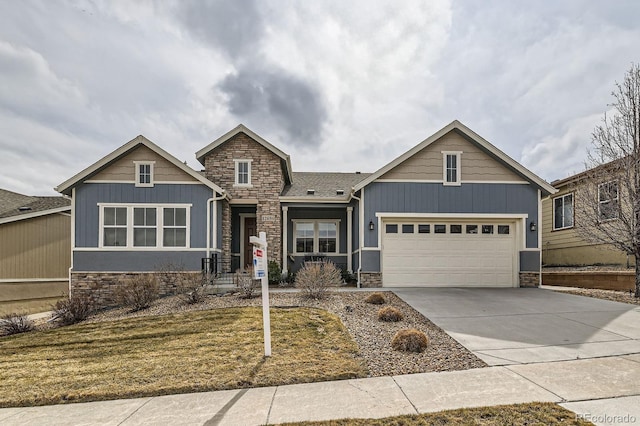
(390, 314)
(275, 273)
(315, 278)
(245, 283)
(170, 274)
(193, 288)
(15, 323)
(73, 309)
(376, 299)
(138, 292)
(410, 340)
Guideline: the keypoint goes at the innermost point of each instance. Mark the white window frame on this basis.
(145, 226)
(316, 235)
(553, 211)
(137, 173)
(236, 171)
(611, 200)
(104, 227)
(159, 226)
(458, 155)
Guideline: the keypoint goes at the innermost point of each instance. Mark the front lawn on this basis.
(537, 413)
(178, 353)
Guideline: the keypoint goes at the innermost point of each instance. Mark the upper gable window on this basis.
(451, 167)
(243, 172)
(144, 173)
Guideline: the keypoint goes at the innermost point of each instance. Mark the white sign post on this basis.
(261, 272)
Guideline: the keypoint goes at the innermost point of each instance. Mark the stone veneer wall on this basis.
(529, 279)
(370, 279)
(102, 286)
(267, 180)
(226, 237)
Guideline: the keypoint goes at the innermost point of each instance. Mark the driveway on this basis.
(529, 325)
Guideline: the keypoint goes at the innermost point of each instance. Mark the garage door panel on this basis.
(448, 260)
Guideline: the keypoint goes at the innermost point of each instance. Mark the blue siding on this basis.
(529, 261)
(401, 197)
(89, 195)
(128, 261)
(371, 261)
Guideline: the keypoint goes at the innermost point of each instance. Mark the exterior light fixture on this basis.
(371, 225)
(532, 226)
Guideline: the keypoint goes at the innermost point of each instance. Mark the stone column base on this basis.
(529, 279)
(370, 279)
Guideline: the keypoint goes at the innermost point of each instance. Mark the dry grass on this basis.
(536, 413)
(187, 352)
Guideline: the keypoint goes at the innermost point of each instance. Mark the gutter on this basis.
(360, 236)
(222, 196)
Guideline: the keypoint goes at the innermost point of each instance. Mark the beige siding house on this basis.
(561, 243)
(35, 251)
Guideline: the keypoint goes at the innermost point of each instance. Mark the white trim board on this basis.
(453, 215)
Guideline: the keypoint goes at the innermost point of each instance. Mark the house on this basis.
(452, 211)
(562, 243)
(35, 251)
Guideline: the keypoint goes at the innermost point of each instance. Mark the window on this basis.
(487, 229)
(407, 229)
(144, 227)
(455, 229)
(174, 230)
(472, 229)
(327, 237)
(424, 229)
(316, 237)
(243, 172)
(144, 173)
(115, 227)
(608, 200)
(563, 212)
(503, 229)
(391, 229)
(440, 229)
(451, 167)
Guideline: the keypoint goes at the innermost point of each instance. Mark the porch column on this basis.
(285, 229)
(349, 236)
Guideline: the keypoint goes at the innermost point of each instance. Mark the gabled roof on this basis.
(14, 206)
(65, 187)
(474, 138)
(325, 186)
(241, 128)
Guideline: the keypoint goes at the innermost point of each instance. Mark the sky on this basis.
(338, 85)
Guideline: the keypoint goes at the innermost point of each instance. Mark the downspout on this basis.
(360, 237)
(215, 219)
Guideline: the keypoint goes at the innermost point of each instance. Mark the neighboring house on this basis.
(452, 211)
(35, 251)
(562, 245)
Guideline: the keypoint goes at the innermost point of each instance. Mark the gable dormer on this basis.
(246, 165)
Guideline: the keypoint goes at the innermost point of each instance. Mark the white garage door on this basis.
(448, 254)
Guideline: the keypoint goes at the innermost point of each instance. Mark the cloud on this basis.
(275, 96)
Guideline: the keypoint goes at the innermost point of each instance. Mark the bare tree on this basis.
(607, 194)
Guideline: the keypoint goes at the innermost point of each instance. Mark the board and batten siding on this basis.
(123, 169)
(478, 198)
(481, 198)
(89, 195)
(476, 164)
(35, 255)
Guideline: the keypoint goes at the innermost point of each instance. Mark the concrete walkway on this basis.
(601, 388)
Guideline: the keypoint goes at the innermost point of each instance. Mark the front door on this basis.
(249, 230)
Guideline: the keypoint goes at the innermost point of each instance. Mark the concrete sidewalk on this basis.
(600, 387)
